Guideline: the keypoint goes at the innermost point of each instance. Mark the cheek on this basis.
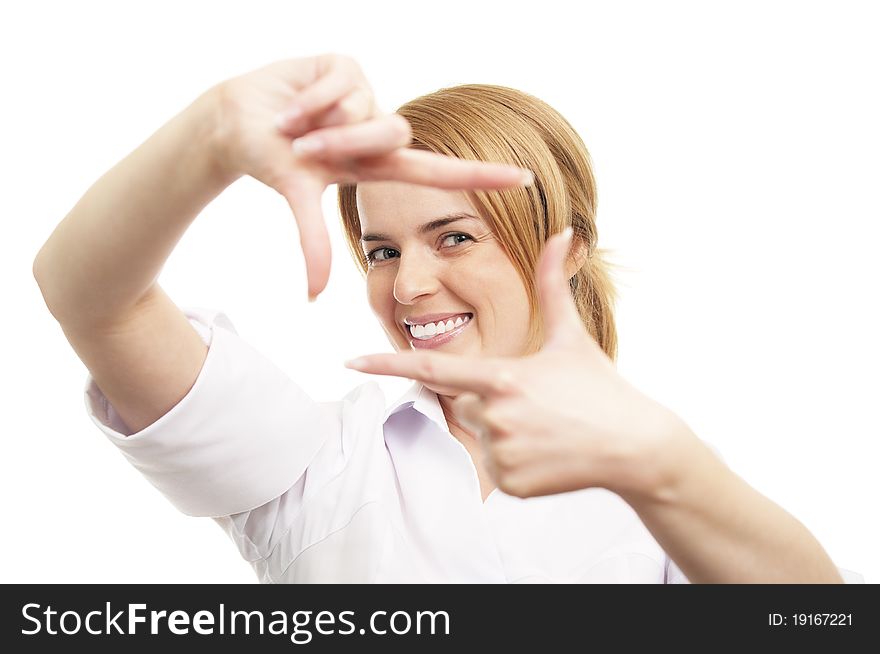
(502, 294)
(380, 297)
(493, 283)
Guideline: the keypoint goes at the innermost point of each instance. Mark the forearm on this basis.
(110, 248)
(718, 529)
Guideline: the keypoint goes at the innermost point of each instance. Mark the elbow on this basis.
(38, 268)
(40, 276)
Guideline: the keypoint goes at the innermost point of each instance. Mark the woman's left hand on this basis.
(559, 420)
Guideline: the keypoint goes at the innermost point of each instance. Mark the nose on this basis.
(416, 276)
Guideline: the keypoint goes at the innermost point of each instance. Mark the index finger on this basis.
(486, 377)
(442, 171)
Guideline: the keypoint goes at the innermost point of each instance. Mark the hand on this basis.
(558, 420)
(336, 109)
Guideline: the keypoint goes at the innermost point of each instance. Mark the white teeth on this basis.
(425, 332)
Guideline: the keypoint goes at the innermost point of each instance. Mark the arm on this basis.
(564, 419)
(98, 269)
(717, 528)
(106, 254)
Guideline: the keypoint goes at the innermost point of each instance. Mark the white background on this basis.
(736, 152)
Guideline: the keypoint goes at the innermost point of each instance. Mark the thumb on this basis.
(562, 322)
(304, 198)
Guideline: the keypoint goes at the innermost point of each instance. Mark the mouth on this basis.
(431, 336)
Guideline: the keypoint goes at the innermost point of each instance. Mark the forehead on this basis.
(383, 206)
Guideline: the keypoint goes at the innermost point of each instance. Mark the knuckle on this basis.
(510, 485)
(498, 422)
(351, 64)
(340, 114)
(349, 107)
(521, 490)
(403, 128)
(504, 381)
(344, 63)
(505, 459)
(329, 139)
(461, 402)
(427, 369)
(325, 62)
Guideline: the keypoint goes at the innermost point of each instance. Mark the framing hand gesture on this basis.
(558, 420)
(299, 125)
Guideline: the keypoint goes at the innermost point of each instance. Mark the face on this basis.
(417, 271)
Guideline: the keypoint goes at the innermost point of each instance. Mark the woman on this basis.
(519, 392)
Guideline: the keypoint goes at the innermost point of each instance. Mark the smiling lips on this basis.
(428, 330)
(433, 335)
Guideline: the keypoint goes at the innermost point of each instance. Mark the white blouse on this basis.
(352, 491)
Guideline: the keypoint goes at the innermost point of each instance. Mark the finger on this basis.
(368, 139)
(562, 321)
(487, 377)
(326, 91)
(441, 171)
(355, 107)
(304, 197)
(468, 408)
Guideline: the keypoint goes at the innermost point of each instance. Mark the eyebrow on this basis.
(428, 227)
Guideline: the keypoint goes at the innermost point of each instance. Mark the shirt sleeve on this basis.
(243, 435)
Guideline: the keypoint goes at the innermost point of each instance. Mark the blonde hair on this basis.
(495, 123)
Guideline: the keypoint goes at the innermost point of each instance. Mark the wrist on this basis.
(652, 468)
(212, 129)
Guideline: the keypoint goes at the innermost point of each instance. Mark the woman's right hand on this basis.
(255, 133)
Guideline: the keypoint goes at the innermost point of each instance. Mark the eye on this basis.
(455, 235)
(371, 256)
(382, 254)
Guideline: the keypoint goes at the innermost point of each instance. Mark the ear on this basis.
(577, 257)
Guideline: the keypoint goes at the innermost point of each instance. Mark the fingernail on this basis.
(289, 116)
(528, 178)
(307, 144)
(355, 363)
(312, 298)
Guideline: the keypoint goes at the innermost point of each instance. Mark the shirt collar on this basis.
(423, 400)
